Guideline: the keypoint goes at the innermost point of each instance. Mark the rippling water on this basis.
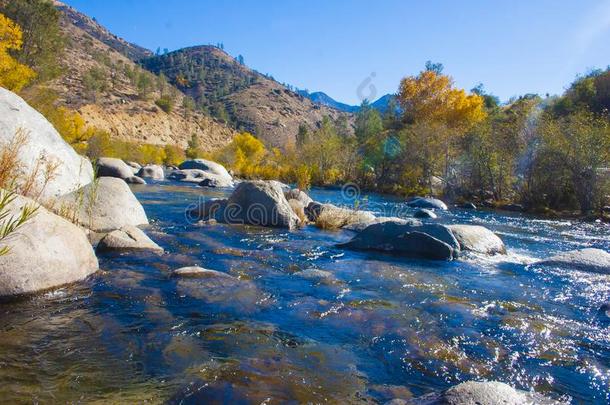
(309, 322)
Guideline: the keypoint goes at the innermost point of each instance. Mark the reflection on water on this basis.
(300, 319)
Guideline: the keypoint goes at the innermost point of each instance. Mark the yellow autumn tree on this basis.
(432, 97)
(13, 75)
(437, 114)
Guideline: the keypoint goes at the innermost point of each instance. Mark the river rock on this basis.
(296, 194)
(135, 180)
(360, 226)
(427, 202)
(45, 252)
(512, 207)
(113, 167)
(135, 166)
(154, 172)
(478, 239)
(104, 205)
(127, 238)
(298, 208)
(259, 203)
(206, 210)
(214, 172)
(589, 260)
(432, 241)
(483, 393)
(425, 213)
(198, 272)
(42, 144)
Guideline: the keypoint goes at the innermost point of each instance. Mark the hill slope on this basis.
(238, 94)
(103, 83)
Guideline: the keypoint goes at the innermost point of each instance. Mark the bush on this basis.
(165, 103)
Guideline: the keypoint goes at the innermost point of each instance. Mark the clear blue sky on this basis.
(512, 47)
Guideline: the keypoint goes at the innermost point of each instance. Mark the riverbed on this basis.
(306, 321)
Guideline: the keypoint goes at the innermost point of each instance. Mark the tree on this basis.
(13, 75)
(240, 59)
(368, 123)
(95, 81)
(193, 150)
(43, 42)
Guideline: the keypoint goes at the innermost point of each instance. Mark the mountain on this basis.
(101, 81)
(239, 95)
(322, 98)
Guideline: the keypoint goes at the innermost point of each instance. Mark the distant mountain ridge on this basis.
(322, 98)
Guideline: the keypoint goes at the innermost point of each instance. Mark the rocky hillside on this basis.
(102, 81)
(239, 95)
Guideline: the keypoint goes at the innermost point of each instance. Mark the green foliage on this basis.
(95, 81)
(165, 103)
(145, 84)
(10, 223)
(43, 42)
(193, 151)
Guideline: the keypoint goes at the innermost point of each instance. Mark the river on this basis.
(309, 322)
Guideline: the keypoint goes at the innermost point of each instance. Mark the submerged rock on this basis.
(104, 205)
(425, 213)
(127, 238)
(43, 148)
(198, 272)
(427, 202)
(206, 210)
(112, 167)
(430, 241)
(360, 226)
(590, 260)
(154, 172)
(47, 251)
(483, 393)
(478, 239)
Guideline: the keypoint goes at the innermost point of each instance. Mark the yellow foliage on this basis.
(431, 97)
(13, 75)
(249, 158)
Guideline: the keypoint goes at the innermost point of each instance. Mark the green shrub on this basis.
(165, 103)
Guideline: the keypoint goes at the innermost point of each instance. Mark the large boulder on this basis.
(296, 194)
(43, 149)
(45, 252)
(590, 260)
(215, 173)
(483, 393)
(201, 177)
(154, 172)
(103, 206)
(135, 180)
(360, 226)
(259, 203)
(432, 241)
(478, 239)
(113, 167)
(127, 238)
(427, 202)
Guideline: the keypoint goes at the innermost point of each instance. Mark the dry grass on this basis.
(13, 175)
(298, 209)
(331, 219)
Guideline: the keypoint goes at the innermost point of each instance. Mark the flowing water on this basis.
(309, 322)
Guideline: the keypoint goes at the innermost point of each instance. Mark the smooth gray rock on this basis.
(102, 206)
(360, 226)
(296, 194)
(259, 203)
(478, 239)
(424, 213)
(427, 202)
(47, 251)
(589, 260)
(431, 241)
(201, 177)
(198, 272)
(215, 173)
(113, 167)
(43, 146)
(135, 180)
(154, 172)
(483, 393)
(127, 238)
